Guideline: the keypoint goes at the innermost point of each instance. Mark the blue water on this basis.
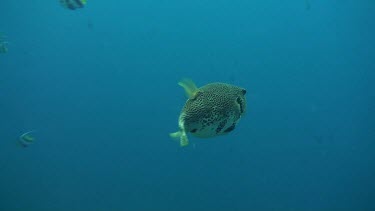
(99, 86)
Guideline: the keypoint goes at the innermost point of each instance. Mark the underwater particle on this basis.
(307, 5)
(3, 44)
(73, 4)
(3, 48)
(90, 25)
(211, 110)
(26, 139)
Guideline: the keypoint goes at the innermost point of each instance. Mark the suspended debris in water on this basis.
(73, 4)
(90, 25)
(26, 139)
(307, 5)
(3, 44)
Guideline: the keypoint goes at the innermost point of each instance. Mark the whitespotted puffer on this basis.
(211, 110)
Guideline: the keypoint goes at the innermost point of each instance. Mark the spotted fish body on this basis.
(211, 110)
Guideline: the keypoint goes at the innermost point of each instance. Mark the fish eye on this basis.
(243, 91)
(238, 100)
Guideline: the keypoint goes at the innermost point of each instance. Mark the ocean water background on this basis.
(99, 86)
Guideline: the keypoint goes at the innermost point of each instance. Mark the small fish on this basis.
(26, 139)
(3, 44)
(3, 47)
(73, 4)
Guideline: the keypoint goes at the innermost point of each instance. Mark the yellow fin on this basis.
(181, 136)
(189, 87)
(184, 141)
(175, 135)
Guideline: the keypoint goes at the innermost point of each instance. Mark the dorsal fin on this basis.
(189, 86)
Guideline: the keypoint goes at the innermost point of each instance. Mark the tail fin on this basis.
(180, 136)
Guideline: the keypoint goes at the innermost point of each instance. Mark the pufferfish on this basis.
(211, 110)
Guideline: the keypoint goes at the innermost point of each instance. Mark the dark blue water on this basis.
(99, 86)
